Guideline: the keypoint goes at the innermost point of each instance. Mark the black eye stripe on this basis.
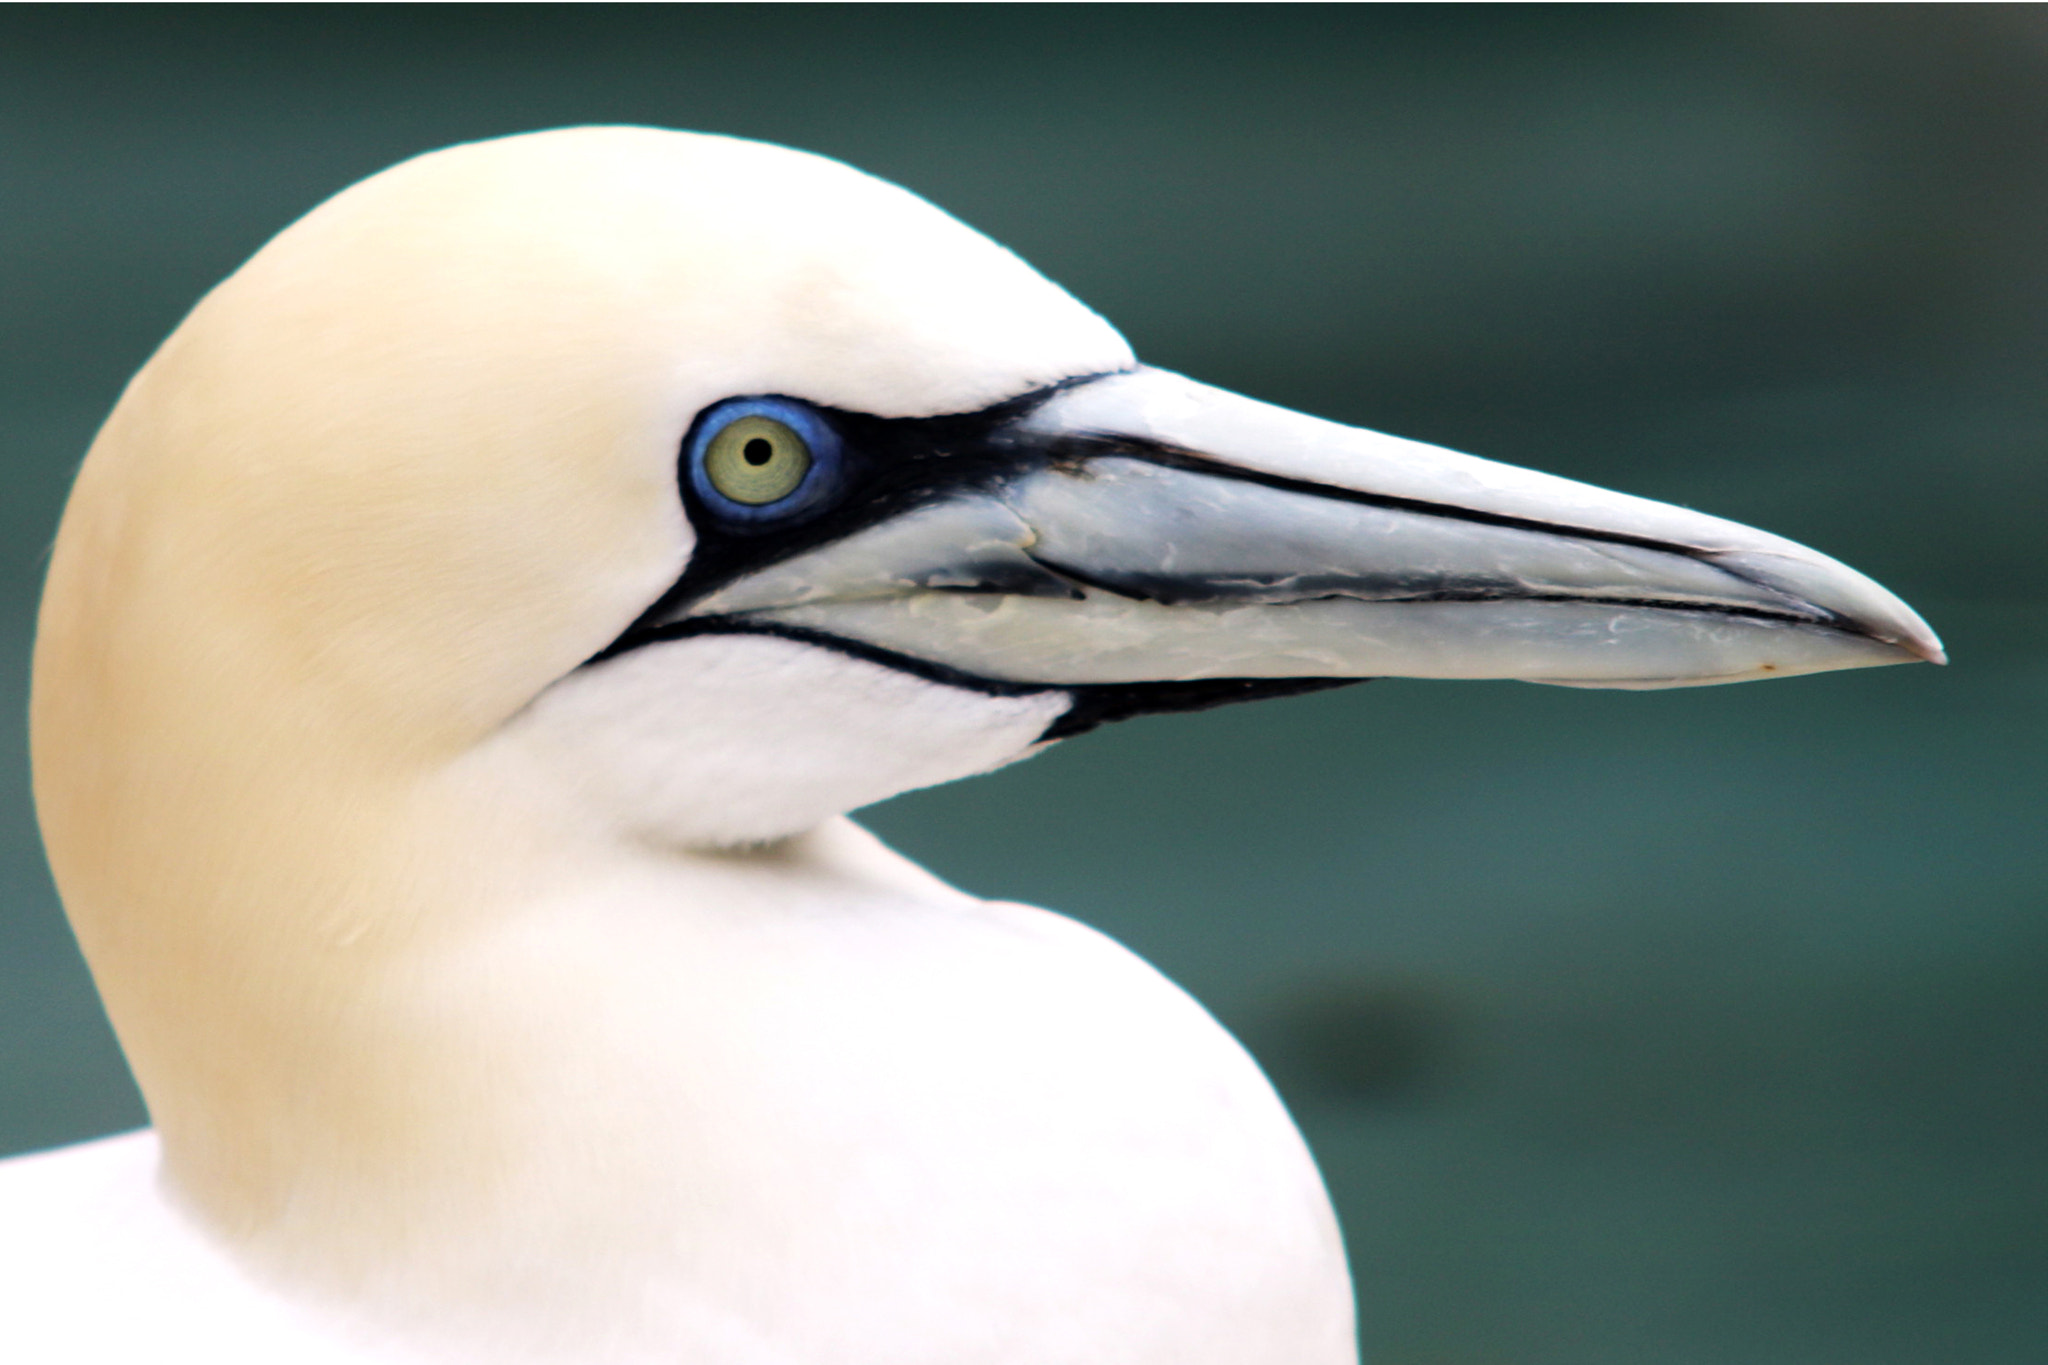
(887, 466)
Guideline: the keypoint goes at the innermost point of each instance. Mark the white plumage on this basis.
(449, 793)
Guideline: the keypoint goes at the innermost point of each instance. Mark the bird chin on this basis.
(718, 741)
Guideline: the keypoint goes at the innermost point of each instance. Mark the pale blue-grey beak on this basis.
(1150, 528)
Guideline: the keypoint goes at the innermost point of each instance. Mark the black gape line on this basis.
(1100, 703)
(897, 464)
(1091, 704)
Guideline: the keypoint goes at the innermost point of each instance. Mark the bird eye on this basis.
(756, 461)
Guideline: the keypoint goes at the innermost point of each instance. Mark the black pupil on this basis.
(758, 451)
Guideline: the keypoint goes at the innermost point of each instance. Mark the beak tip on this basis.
(1913, 637)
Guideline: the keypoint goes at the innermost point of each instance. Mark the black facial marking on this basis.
(1101, 703)
(895, 465)
(696, 626)
(1090, 704)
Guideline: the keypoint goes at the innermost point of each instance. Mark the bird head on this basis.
(735, 489)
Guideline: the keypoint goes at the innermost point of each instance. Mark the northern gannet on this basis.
(463, 644)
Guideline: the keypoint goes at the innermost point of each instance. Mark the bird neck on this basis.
(372, 1026)
(448, 1056)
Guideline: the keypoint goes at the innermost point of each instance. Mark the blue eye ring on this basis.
(817, 485)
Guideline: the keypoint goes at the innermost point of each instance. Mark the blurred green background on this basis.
(1656, 1029)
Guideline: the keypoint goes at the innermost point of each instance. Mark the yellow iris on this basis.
(756, 460)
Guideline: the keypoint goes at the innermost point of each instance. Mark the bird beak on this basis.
(1141, 527)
